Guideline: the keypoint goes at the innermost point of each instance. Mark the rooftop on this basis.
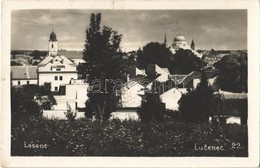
(71, 54)
(24, 72)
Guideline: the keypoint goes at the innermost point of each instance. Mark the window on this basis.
(19, 82)
(56, 78)
(52, 46)
(28, 82)
(56, 88)
(61, 77)
(58, 69)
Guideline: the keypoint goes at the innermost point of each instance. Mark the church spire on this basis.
(192, 45)
(165, 40)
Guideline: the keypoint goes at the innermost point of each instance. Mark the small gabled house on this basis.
(131, 99)
(23, 75)
(171, 98)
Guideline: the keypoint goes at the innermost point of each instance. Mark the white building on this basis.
(56, 69)
(179, 41)
(75, 96)
(23, 75)
(131, 99)
(171, 97)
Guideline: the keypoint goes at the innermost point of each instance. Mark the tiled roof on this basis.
(71, 54)
(24, 72)
(178, 79)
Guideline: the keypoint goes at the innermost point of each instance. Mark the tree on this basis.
(233, 72)
(196, 105)
(36, 54)
(23, 104)
(153, 53)
(141, 60)
(184, 62)
(152, 107)
(105, 64)
(46, 96)
(15, 63)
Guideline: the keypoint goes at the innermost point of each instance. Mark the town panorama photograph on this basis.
(157, 83)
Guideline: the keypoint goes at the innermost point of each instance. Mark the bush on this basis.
(31, 108)
(84, 138)
(70, 115)
(152, 108)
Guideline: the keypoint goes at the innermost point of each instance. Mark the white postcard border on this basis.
(253, 89)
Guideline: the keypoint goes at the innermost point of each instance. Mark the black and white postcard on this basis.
(130, 83)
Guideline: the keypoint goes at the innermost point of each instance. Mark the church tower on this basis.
(192, 45)
(53, 44)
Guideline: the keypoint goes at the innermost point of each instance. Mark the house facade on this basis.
(171, 98)
(24, 75)
(58, 71)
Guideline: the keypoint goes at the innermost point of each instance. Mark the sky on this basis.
(217, 29)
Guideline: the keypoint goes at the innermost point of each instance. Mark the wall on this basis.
(233, 120)
(75, 93)
(130, 97)
(53, 50)
(164, 74)
(78, 92)
(171, 98)
(125, 115)
(139, 72)
(24, 82)
(59, 114)
(50, 77)
(196, 82)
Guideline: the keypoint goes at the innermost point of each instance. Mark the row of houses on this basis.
(59, 69)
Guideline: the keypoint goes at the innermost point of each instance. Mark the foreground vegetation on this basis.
(129, 138)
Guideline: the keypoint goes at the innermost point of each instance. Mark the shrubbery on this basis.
(152, 108)
(196, 105)
(84, 138)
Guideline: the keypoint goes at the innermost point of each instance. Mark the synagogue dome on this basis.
(179, 38)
